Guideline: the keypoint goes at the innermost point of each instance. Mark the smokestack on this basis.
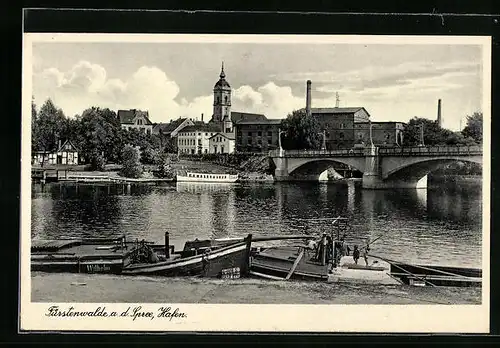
(202, 117)
(308, 98)
(440, 121)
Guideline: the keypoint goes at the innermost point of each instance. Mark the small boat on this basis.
(285, 262)
(428, 275)
(207, 177)
(205, 258)
(97, 255)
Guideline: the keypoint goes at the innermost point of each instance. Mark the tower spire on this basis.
(222, 74)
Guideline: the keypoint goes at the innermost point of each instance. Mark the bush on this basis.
(131, 167)
(150, 156)
(97, 161)
(165, 169)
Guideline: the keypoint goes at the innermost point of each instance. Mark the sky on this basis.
(393, 82)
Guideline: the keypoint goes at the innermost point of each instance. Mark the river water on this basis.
(432, 226)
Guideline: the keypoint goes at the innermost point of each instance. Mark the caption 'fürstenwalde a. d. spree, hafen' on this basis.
(134, 313)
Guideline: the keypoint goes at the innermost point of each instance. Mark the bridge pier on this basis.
(281, 171)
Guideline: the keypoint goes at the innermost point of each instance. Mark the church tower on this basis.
(222, 101)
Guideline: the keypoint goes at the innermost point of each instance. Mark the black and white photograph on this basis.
(255, 182)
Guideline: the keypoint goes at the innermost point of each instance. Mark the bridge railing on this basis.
(318, 153)
(384, 151)
(431, 150)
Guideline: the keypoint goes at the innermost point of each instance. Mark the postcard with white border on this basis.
(256, 183)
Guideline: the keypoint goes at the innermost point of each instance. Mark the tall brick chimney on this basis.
(202, 117)
(440, 121)
(308, 98)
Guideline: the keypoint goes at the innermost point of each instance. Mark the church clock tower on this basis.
(222, 100)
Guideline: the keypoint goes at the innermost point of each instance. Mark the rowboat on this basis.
(207, 177)
(430, 275)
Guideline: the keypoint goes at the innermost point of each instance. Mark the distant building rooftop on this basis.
(169, 127)
(128, 116)
(224, 135)
(349, 110)
(237, 116)
(201, 127)
(266, 121)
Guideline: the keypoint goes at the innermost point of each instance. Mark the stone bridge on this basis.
(396, 167)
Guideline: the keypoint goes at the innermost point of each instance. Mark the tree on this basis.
(433, 134)
(33, 125)
(99, 136)
(48, 127)
(131, 167)
(301, 132)
(474, 127)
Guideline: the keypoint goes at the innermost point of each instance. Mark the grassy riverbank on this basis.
(249, 172)
(59, 287)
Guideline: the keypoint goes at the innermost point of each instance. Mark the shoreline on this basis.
(78, 287)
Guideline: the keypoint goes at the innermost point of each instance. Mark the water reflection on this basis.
(436, 225)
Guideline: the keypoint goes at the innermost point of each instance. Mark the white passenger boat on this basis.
(206, 177)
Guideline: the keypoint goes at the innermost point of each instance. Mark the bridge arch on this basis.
(415, 168)
(311, 168)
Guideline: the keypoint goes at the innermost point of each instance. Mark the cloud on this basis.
(87, 84)
(396, 94)
(371, 77)
(149, 88)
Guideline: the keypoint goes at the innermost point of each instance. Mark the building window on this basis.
(259, 142)
(206, 150)
(269, 134)
(225, 99)
(139, 122)
(206, 134)
(249, 134)
(259, 134)
(218, 100)
(341, 135)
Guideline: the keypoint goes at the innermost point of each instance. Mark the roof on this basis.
(64, 144)
(58, 148)
(237, 116)
(266, 121)
(222, 83)
(380, 122)
(201, 127)
(170, 126)
(222, 134)
(351, 110)
(128, 116)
